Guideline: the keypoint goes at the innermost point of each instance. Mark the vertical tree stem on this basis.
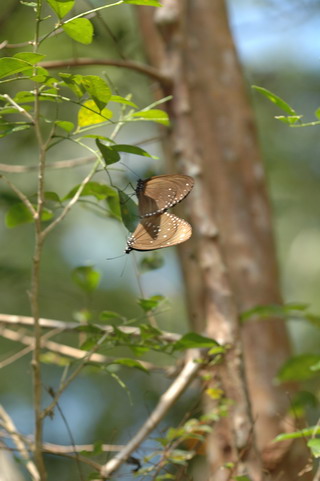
(35, 280)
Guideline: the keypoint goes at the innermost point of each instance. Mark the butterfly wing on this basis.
(159, 193)
(159, 231)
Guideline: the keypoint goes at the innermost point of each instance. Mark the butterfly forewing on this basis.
(159, 193)
(159, 231)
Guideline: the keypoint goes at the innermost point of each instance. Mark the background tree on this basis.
(229, 266)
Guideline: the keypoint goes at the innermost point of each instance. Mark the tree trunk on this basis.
(230, 264)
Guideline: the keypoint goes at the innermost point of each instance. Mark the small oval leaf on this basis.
(80, 30)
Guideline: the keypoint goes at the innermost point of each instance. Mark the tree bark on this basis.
(230, 264)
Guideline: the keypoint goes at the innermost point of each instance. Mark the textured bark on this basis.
(230, 263)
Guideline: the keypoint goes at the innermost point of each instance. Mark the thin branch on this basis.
(56, 347)
(72, 376)
(20, 109)
(61, 164)
(129, 64)
(20, 194)
(178, 386)
(74, 199)
(69, 326)
(11, 429)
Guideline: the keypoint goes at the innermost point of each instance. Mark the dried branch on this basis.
(61, 164)
(56, 347)
(69, 326)
(167, 399)
(151, 72)
(20, 194)
(16, 438)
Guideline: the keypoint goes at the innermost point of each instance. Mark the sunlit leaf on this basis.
(89, 114)
(154, 115)
(11, 66)
(95, 189)
(61, 7)
(150, 3)
(80, 30)
(86, 278)
(130, 363)
(150, 303)
(275, 99)
(314, 445)
(122, 100)
(98, 89)
(65, 125)
(193, 340)
(30, 57)
(302, 433)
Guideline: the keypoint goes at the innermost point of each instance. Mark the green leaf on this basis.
(95, 189)
(86, 278)
(30, 57)
(289, 119)
(80, 30)
(74, 82)
(130, 363)
(106, 316)
(61, 7)
(298, 368)
(129, 211)
(151, 303)
(132, 149)
(314, 445)
(65, 125)
(121, 100)
(110, 156)
(11, 66)
(154, 115)
(268, 311)
(20, 214)
(52, 196)
(90, 115)
(8, 128)
(98, 89)
(150, 3)
(194, 340)
(151, 262)
(242, 478)
(302, 433)
(275, 99)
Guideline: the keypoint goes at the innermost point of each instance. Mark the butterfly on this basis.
(159, 193)
(158, 231)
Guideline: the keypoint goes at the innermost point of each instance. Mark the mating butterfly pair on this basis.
(158, 228)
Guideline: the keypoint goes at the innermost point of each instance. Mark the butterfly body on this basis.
(157, 194)
(158, 231)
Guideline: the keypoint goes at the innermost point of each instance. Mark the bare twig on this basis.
(20, 109)
(11, 429)
(74, 199)
(68, 381)
(20, 194)
(61, 164)
(166, 401)
(56, 347)
(129, 64)
(68, 326)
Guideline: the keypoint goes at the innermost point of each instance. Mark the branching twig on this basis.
(166, 401)
(72, 376)
(74, 199)
(20, 109)
(69, 326)
(11, 429)
(20, 194)
(56, 347)
(129, 64)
